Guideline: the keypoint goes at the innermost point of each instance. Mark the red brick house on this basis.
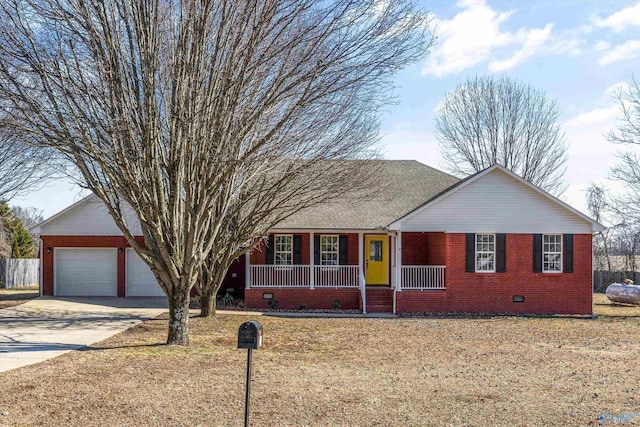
(427, 242)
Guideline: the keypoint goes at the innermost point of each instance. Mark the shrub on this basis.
(227, 299)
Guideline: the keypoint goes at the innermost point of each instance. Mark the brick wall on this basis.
(292, 299)
(423, 248)
(353, 248)
(544, 293)
(258, 256)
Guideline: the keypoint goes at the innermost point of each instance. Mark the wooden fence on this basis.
(19, 272)
(602, 279)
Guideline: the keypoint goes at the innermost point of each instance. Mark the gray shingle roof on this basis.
(408, 185)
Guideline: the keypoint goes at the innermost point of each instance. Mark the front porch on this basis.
(375, 270)
(413, 277)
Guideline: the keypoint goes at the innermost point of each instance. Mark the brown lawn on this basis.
(501, 371)
(603, 307)
(17, 296)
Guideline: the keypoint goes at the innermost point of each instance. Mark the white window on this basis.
(552, 253)
(485, 252)
(329, 250)
(283, 251)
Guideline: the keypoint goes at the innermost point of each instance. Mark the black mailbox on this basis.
(250, 335)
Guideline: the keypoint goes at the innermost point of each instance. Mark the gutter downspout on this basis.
(40, 243)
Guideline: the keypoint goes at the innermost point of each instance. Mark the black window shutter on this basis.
(501, 253)
(316, 250)
(537, 253)
(470, 259)
(269, 251)
(297, 249)
(343, 242)
(567, 261)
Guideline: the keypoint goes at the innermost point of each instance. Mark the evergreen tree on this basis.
(17, 237)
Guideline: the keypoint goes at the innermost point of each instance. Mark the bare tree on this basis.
(599, 206)
(23, 167)
(30, 217)
(266, 203)
(488, 120)
(191, 111)
(628, 134)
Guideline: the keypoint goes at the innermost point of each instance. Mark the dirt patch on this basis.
(322, 372)
(17, 296)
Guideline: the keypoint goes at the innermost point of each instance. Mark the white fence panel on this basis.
(19, 272)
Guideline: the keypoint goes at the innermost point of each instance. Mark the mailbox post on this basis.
(249, 337)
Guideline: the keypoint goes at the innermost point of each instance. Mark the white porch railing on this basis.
(338, 276)
(280, 276)
(299, 276)
(423, 277)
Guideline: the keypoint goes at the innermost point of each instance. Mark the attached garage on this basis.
(86, 272)
(140, 280)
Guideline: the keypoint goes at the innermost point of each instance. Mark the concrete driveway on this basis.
(47, 327)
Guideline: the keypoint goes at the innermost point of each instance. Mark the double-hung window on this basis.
(329, 250)
(283, 250)
(552, 253)
(485, 253)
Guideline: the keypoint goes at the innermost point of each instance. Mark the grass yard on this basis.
(603, 307)
(17, 296)
(501, 371)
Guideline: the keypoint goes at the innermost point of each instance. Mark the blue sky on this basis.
(578, 52)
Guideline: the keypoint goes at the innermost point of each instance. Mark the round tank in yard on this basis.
(627, 294)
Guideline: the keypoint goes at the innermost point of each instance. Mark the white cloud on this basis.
(467, 39)
(600, 118)
(601, 45)
(615, 88)
(532, 41)
(627, 17)
(625, 51)
(475, 35)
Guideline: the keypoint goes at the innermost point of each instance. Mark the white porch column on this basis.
(392, 260)
(247, 270)
(312, 271)
(399, 261)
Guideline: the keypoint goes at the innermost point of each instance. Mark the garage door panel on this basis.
(86, 272)
(141, 281)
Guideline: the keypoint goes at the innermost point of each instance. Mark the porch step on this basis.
(379, 301)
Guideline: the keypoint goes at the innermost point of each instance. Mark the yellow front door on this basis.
(376, 260)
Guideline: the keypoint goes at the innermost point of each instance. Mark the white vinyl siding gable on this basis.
(498, 202)
(89, 218)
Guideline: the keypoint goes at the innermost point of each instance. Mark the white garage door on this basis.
(140, 280)
(86, 272)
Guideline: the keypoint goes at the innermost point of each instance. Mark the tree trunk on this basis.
(178, 319)
(207, 304)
